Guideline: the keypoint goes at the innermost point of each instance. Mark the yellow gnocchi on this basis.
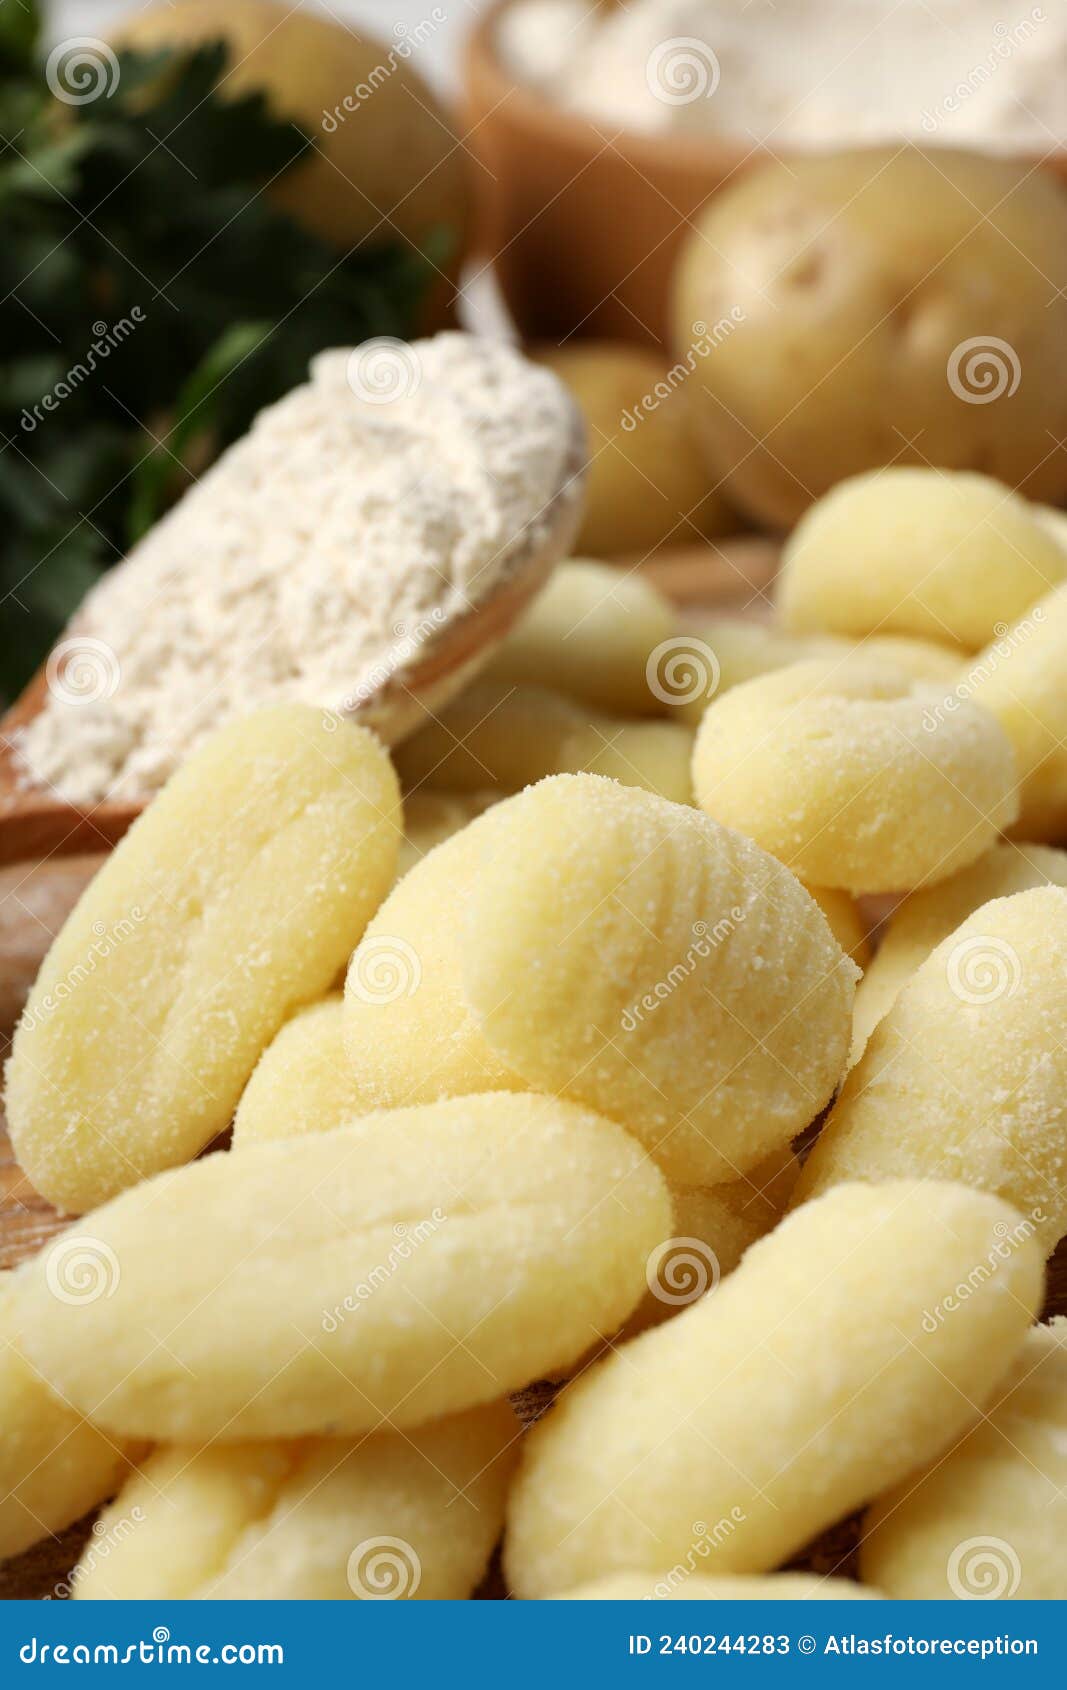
(303, 1082)
(400, 1516)
(820, 1373)
(775, 1587)
(714, 1025)
(966, 1077)
(988, 1520)
(829, 765)
(945, 556)
(236, 897)
(408, 1266)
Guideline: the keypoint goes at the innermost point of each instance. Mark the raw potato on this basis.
(989, 1520)
(647, 483)
(432, 817)
(776, 1587)
(403, 1516)
(841, 770)
(405, 1267)
(814, 1378)
(921, 922)
(918, 552)
(595, 941)
(496, 734)
(235, 898)
(589, 634)
(1022, 679)
(966, 1077)
(389, 165)
(741, 650)
(54, 1466)
(879, 305)
(303, 1082)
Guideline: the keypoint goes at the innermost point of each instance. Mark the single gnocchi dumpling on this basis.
(775, 1587)
(919, 924)
(405, 1267)
(496, 734)
(988, 1520)
(848, 774)
(966, 1077)
(54, 1465)
(1021, 678)
(598, 943)
(396, 1516)
(235, 898)
(928, 552)
(590, 634)
(303, 1082)
(821, 1372)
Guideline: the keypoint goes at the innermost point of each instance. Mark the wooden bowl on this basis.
(582, 221)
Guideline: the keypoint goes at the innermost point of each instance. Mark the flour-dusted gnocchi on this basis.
(590, 634)
(775, 1587)
(399, 1515)
(596, 942)
(496, 734)
(405, 1267)
(966, 1077)
(918, 925)
(303, 1082)
(827, 1367)
(989, 1519)
(945, 556)
(1022, 679)
(236, 897)
(54, 1466)
(835, 768)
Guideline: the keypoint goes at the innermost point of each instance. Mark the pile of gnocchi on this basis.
(519, 1033)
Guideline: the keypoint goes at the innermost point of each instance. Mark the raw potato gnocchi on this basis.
(714, 1026)
(830, 766)
(303, 1082)
(495, 734)
(54, 1466)
(776, 1587)
(945, 556)
(923, 920)
(589, 634)
(237, 896)
(405, 1267)
(1022, 680)
(966, 1077)
(990, 1519)
(409, 1516)
(814, 1378)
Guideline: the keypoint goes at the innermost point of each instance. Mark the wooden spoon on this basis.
(35, 822)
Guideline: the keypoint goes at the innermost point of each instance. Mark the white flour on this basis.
(804, 72)
(356, 515)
